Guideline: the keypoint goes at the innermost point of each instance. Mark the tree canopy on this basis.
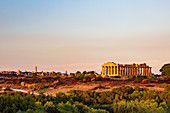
(165, 70)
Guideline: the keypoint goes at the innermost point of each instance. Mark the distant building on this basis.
(35, 69)
(113, 69)
(18, 72)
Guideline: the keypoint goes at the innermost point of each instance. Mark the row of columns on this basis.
(109, 70)
(126, 70)
(141, 71)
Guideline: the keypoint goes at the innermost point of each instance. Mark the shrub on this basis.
(145, 81)
(167, 88)
(74, 81)
(80, 81)
(131, 76)
(135, 82)
(7, 89)
(149, 85)
(77, 108)
(116, 76)
(127, 107)
(168, 82)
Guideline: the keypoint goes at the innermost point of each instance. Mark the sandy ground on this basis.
(87, 87)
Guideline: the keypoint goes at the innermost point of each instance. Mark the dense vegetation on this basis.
(165, 70)
(119, 100)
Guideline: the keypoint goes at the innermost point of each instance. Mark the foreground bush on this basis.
(78, 108)
(119, 100)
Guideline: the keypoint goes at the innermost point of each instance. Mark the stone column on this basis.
(127, 70)
(150, 72)
(120, 70)
(124, 70)
(111, 70)
(147, 71)
(114, 70)
(117, 70)
(102, 70)
(105, 70)
(132, 71)
(143, 71)
(108, 70)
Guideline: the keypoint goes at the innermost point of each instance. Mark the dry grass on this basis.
(99, 87)
(94, 86)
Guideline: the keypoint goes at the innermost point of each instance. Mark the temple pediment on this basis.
(109, 64)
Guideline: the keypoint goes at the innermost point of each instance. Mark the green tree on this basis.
(29, 111)
(78, 72)
(165, 70)
(61, 97)
(167, 88)
(127, 107)
(91, 72)
(50, 107)
(77, 108)
(84, 72)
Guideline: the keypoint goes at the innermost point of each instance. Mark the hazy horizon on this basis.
(82, 35)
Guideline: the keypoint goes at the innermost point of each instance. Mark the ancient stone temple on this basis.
(113, 69)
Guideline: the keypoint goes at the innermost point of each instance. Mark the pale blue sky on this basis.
(82, 34)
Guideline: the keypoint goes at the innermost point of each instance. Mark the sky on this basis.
(72, 35)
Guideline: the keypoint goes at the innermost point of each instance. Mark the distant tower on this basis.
(18, 72)
(35, 69)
